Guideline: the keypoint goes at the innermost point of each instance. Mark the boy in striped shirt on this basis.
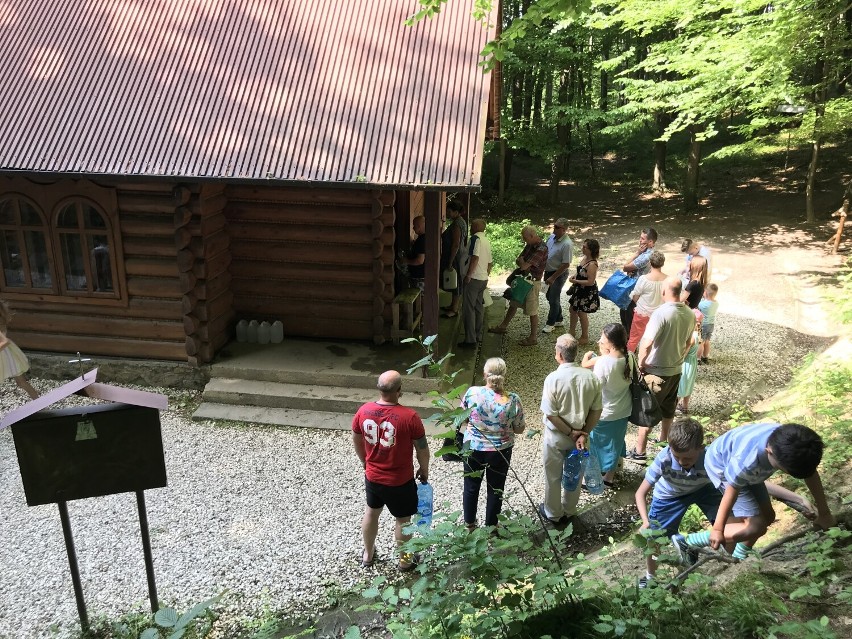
(679, 479)
(738, 463)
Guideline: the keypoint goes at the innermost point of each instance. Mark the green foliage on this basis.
(694, 520)
(449, 416)
(197, 621)
(740, 414)
(824, 390)
(841, 296)
(477, 583)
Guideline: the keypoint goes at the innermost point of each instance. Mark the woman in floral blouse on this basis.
(490, 434)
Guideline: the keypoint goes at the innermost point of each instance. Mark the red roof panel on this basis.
(317, 90)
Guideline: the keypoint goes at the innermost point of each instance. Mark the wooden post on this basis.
(432, 207)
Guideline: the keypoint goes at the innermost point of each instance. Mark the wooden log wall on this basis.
(203, 258)
(319, 260)
(147, 322)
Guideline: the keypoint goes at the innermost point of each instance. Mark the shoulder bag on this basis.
(646, 410)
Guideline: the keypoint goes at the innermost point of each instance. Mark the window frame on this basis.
(21, 229)
(80, 232)
(49, 200)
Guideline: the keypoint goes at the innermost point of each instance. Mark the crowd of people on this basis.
(664, 334)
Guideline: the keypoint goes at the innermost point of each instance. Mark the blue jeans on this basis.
(555, 313)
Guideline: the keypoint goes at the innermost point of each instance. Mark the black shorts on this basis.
(400, 500)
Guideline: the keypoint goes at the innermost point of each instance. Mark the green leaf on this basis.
(150, 633)
(427, 341)
(352, 632)
(166, 617)
(404, 593)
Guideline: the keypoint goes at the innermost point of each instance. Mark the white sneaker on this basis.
(547, 329)
(559, 323)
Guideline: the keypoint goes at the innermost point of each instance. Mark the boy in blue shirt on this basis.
(738, 463)
(679, 479)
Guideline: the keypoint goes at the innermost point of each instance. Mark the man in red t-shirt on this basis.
(384, 433)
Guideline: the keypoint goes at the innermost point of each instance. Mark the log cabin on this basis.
(170, 167)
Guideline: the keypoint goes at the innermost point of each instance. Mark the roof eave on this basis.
(174, 179)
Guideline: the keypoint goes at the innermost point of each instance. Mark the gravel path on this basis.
(273, 514)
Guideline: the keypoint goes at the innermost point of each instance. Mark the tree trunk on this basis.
(690, 191)
(501, 172)
(809, 189)
(539, 97)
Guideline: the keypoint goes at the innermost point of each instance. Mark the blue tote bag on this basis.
(618, 288)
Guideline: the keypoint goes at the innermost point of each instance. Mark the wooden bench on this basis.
(407, 312)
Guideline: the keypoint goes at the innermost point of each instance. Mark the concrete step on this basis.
(331, 377)
(331, 399)
(284, 417)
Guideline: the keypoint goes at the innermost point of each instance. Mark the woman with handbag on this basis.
(611, 367)
(583, 295)
(496, 416)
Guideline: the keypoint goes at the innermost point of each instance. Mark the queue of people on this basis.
(664, 335)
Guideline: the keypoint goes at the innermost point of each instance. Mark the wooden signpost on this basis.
(91, 451)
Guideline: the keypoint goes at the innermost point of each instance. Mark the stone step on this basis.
(333, 377)
(284, 417)
(330, 399)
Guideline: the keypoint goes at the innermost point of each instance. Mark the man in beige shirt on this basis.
(571, 404)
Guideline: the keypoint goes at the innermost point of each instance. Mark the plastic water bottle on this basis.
(424, 504)
(592, 473)
(242, 331)
(572, 467)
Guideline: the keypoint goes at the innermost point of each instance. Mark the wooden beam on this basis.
(433, 206)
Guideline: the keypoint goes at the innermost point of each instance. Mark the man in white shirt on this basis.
(559, 250)
(661, 352)
(475, 283)
(571, 404)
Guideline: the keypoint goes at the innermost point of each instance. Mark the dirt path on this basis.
(766, 259)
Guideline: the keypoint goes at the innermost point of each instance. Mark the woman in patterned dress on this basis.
(583, 294)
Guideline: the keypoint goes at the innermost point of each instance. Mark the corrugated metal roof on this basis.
(307, 91)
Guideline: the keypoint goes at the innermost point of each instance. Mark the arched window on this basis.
(87, 266)
(25, 250)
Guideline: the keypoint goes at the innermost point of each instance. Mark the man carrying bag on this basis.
(532, 260)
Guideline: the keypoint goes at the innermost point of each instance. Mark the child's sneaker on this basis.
(645, 581)
(687, 555)
(559, 323)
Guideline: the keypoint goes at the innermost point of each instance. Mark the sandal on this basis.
(528, 342)
(367, 564)
(450, 314)
(609, 484)
(496, 329)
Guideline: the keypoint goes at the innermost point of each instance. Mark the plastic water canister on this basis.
(592, 473)
(242, 331)
(572, 467)
(424, 504)
(276, 336)
(263, 333)
(252, 331)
